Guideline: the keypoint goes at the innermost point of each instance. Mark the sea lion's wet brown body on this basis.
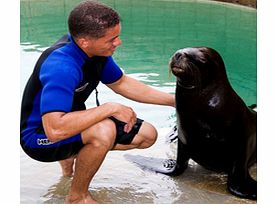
(215, 127)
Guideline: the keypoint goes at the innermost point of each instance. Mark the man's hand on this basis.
(124, 114)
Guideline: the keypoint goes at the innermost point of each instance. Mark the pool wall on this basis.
(250, 3)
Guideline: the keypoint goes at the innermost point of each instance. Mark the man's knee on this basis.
(147, 135)
(101, 134)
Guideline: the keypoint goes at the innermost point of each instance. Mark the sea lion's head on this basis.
(197, 67)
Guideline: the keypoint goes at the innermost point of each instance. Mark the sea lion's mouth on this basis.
(177, 70)
(186, 86)
(186, 78)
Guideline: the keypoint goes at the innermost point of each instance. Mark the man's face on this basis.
(106, 45)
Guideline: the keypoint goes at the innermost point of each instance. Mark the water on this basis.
(151, 32)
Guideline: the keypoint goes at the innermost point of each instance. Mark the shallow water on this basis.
(151, 32)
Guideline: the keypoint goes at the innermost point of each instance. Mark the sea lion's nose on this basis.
(178, 56)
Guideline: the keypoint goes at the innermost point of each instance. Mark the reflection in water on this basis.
(57, 192)
(208, 186)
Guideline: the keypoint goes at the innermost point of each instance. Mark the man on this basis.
(55, 124)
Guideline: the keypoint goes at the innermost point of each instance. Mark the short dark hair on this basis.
(91, 19)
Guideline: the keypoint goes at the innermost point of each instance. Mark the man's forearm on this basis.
(59, 125)
(140, 92)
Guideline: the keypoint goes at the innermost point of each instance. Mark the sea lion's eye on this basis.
(203, 60)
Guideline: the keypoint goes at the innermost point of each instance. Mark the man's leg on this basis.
(98, 141)
(145, 138)
(67, 166)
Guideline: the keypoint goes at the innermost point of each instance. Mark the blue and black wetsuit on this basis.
(63, 78)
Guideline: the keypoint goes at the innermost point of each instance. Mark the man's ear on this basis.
(82, 42)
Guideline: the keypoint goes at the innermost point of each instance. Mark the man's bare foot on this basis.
(80, 200)
(67, 166)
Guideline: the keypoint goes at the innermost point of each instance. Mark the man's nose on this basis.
(117, 42)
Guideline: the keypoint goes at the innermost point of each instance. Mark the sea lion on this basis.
(216, 128)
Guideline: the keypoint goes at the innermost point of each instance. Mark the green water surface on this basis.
(153, 30)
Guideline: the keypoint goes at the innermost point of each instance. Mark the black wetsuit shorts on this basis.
(47, 151)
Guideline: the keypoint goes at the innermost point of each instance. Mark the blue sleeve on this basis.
(111, 72)
(59, 80)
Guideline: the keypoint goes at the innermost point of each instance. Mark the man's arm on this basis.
(60, 125)
(140, 92)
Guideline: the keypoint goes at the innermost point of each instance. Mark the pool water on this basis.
(152, 30)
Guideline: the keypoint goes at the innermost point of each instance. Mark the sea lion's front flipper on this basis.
(165, 166)
(244, 187)
(240, 182)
